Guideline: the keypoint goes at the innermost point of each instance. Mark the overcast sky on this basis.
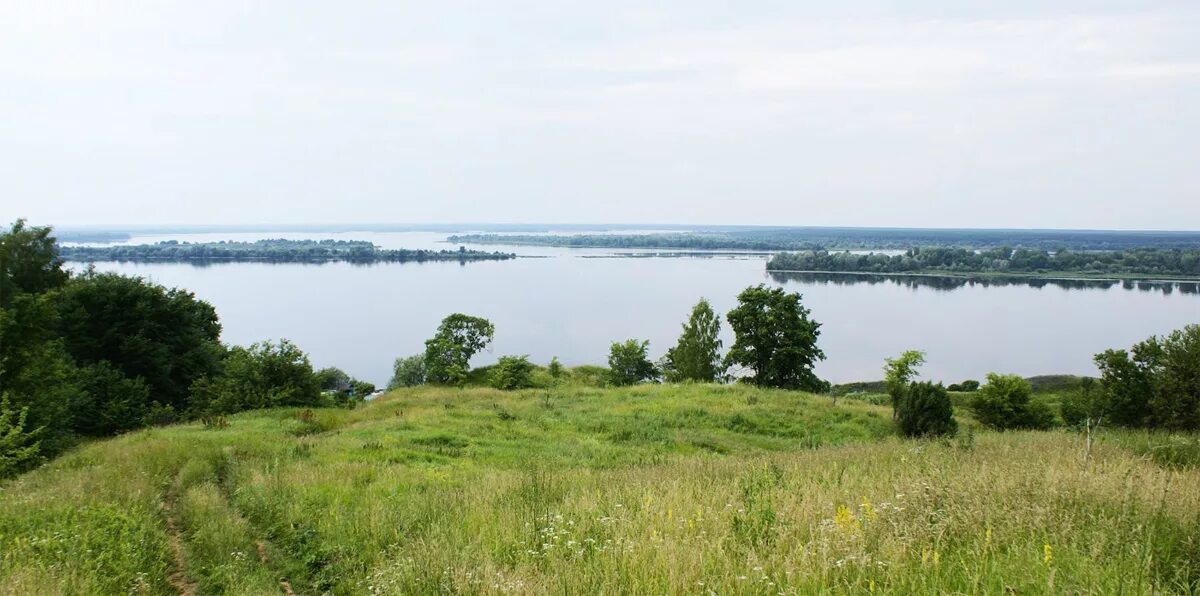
(925, 113)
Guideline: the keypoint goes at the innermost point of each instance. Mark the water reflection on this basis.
(949, 283)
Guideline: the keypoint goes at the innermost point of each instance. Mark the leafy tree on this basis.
(29, 262)
(408, 372)
(1006, 402)
(775, 339)
(1127, 384)
(19, 447)
(970, 385)
(898, 373)
(924, 410)
(448, 353)
(555, 368)
(165, 337)
(628, 363)
(36, 373)
(1087, 404)
(110, 402)
(361, 389)
(334, 379)
(265, 375)
(697, 355)
(1175, 365)
(512, 372)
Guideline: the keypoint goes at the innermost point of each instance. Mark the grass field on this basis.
(652, 489)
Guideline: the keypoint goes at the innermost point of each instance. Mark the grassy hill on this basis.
(651, 489)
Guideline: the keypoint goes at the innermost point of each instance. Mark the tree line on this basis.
(1002, 260)
(814, 238)
(274, 250)
(95, 354)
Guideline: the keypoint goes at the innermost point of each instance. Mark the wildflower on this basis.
(868, 509)
(1047, 554)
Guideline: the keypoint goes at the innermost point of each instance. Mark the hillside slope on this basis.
(651, 489)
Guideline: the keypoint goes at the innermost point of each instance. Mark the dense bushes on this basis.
(628, 363)
(1005, 402)
(923, 409)
(265, 375)
(1155, 384)
(512, 372)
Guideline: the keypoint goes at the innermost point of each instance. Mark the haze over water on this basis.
(572, 303)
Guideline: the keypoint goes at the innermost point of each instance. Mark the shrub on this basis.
(628, 364)
(265, 375)
(512, 372)
(1087, 403)
(111, 402)
(408, 372)
(18, 445)
(555, 368)
(1005, 402)
(924, 410)
(969, 385)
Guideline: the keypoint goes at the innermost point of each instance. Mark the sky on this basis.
(923, 113)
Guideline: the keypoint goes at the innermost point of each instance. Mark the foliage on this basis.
(36, 373)
(775, 339)
(265, 375)
(1157, 383)
(1005, 402)
(628, 363)
(110, 401)
(448, 353)
(273, 250)
(19, 447)
(165, 337)
(967, 386)
(924, 410)
(898, 373)
(1001, 260)
(29, 262)
(697, 355)
(334, 379)
(1086, 404)
(408, 371)
(512, 372)
(555, 368)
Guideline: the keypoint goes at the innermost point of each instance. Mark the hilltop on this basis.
(648, 489)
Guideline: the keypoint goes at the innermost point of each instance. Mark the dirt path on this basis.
(177, 577)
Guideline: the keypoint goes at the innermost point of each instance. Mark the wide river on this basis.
(573, 303)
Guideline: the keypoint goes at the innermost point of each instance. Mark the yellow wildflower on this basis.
(1047, 554)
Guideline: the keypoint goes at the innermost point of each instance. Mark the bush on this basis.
(110, 403)
(408, 372)
(1005, 402)
(512, 372)
(555, 368)
(924, 410)
(970, 385)
(1085, 404)
(628, 363)
(265, 375)
(18, 445)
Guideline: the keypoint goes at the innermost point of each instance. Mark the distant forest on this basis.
(1005, 261)
(275, 251)
(775, 239)
(955, 282)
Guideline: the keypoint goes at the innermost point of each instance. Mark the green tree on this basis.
(1087, 405)
(109, 402)
(1006, 402)
(1127, 384)
(924, 410)
(1174, 363)
(334, 379)
(265, 375)
(29, 262)
(36, 373)
(775, 339)
(555, 368)
(458, 338)
(898, 373)
(697, 355)
(512, 372)
(628, 363)
(407, 371)
(19, 447)
(165, 337)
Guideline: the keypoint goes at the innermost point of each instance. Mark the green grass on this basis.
(651, 489)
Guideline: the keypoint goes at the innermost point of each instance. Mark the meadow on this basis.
(725, 489)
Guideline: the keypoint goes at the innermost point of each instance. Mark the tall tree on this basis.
(697, 355)
(29, 262)
(628, 363)
(775, 339)
(448, 353)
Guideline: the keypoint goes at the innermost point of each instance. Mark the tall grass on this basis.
(667, 489)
